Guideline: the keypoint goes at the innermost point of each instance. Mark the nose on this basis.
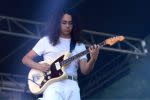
(67, 25)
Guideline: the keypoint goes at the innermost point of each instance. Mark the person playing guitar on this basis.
(63, 53)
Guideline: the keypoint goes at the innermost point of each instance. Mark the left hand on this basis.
(94, 51)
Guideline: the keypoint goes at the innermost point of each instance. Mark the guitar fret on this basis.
(69, 60)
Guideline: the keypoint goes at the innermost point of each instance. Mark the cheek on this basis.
(62, 27)
(71, 28)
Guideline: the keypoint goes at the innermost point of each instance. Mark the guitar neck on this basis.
(69, 60)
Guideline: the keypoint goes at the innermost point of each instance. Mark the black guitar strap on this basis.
(72, 45)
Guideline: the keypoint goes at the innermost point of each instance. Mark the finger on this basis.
(95, 46)
(43, 69)
(98, 47)
(46, 64)
(92, 50)
(92, 47)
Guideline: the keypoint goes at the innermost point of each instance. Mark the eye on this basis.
(70, 23)
(64, 22)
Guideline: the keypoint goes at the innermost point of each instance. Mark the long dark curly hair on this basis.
(54, 27)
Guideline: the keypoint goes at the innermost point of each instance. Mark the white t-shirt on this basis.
(43, 47)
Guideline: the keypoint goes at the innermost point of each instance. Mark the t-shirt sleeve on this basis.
(82, 48)
(39, 47)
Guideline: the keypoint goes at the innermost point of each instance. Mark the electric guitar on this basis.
(38, 81)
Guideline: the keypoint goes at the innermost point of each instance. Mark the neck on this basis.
(68, 36)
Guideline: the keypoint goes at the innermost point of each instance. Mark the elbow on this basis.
(85, 70)
(24, 59)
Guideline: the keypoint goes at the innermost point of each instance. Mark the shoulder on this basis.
(80, 44)
(44, 39)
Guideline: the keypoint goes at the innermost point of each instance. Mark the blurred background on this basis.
(121, 71)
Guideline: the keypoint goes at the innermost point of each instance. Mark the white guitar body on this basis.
(38, 81)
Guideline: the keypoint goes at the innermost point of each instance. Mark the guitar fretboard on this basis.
(69, 60)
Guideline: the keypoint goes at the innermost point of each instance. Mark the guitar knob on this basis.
(49, 72)
(59, 74)
(44, 80)
(49, 77)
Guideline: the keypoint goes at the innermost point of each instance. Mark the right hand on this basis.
(44, 67)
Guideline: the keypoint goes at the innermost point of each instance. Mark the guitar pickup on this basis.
(57, 64)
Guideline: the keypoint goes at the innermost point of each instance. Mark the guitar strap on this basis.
(72, 45)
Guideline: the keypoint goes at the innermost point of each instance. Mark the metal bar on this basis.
(19, 34)
(9, 26)
(124, 51)
(22, 20)
(14, 89)
(12, 52)
(11, 75)
(12, 84)
(121, 50)
(22, 27)
(105, 34)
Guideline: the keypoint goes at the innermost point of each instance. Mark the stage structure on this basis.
(34, 30)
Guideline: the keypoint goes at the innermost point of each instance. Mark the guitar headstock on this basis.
(113, 40)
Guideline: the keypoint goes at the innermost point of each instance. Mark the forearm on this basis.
(30, 63)
(86, 67)
(90, 65)
(94, 51)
